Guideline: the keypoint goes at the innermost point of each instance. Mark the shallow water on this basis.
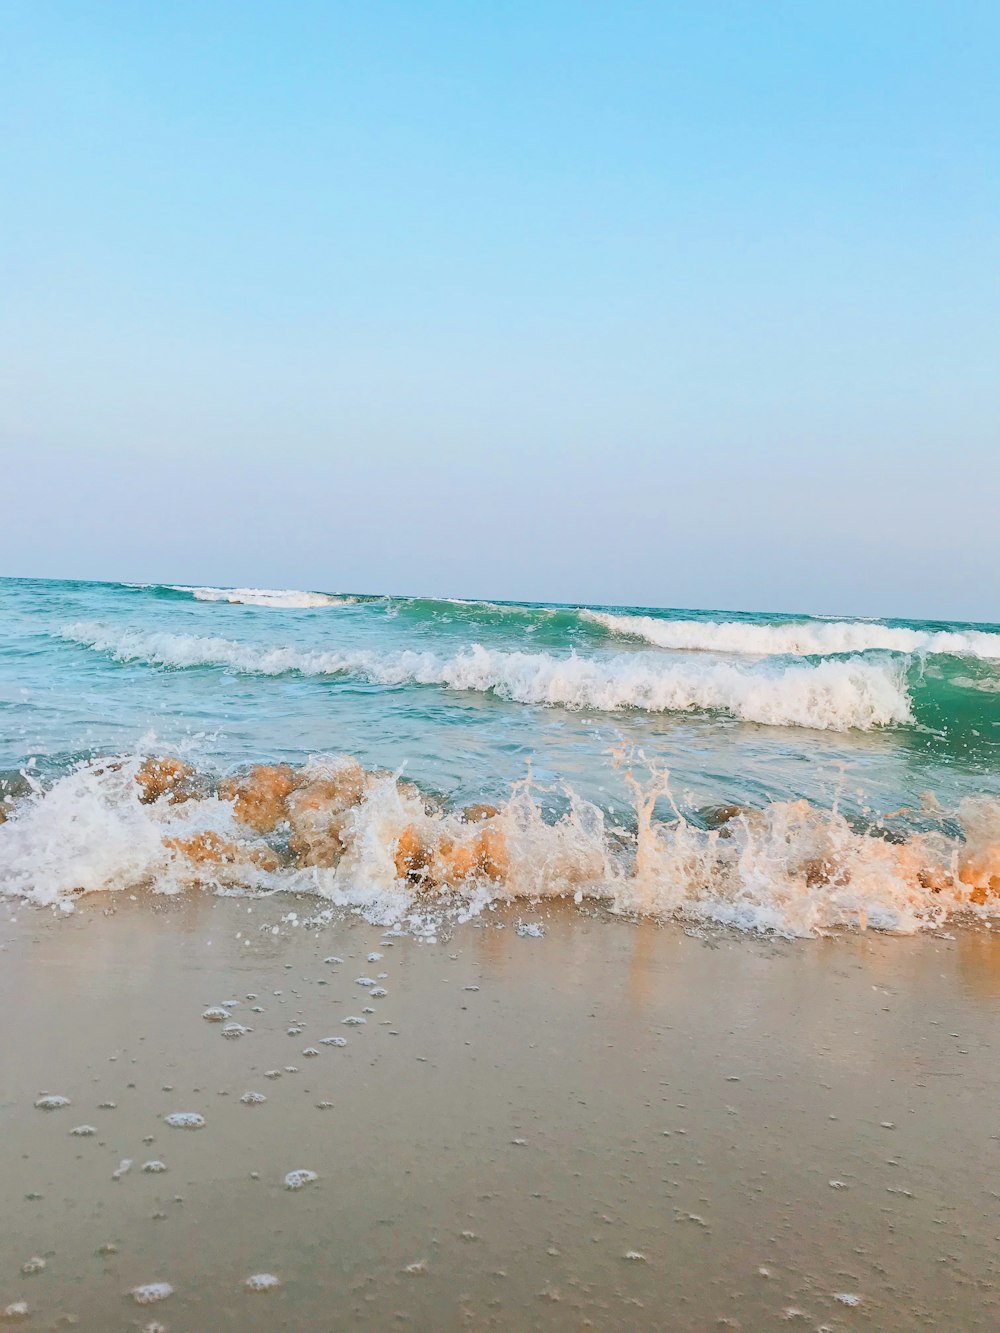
(756, 711)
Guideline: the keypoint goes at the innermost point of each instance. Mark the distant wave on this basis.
(834, 696)
(795, 638)
(284, 598)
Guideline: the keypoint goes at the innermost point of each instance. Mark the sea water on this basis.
(785, 772)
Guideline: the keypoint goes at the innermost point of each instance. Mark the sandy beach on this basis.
(591, 1124)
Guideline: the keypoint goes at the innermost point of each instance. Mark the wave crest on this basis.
(278, 598)
(829, 696)
(372, 842)
(795, 638)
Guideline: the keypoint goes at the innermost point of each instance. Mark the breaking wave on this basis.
(372, 842)
(795, 638)
(830, 696)
(279, 598)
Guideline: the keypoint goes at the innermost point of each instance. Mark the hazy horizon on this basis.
(687, 306)
(460, 596)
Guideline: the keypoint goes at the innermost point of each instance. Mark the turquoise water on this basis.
(464, 696)
(94, 668)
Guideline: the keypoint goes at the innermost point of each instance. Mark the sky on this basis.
(677, 304)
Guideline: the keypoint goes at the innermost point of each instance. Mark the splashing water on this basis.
(374, 842)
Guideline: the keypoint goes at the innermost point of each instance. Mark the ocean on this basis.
(418, 759)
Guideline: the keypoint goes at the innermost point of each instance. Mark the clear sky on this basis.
(686, 304)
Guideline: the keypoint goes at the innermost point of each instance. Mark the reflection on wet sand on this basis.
(518, 1114)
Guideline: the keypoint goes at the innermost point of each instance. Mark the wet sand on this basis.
(615, 1125)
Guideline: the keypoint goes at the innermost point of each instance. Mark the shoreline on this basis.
(611, 1088)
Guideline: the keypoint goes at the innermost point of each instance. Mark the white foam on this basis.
(278, 598)
(802, 638)
(295, 1180)
(260, 1282)
(86, 833)
(834, 695)
(151, 1292)
(789, 867)
(185, 1120)
(89, 833)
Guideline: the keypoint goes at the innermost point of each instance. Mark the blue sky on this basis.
(687, 304)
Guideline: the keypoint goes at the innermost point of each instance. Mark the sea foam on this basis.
(835, 696)
(787, 867)
(279, 598)
(801, 638)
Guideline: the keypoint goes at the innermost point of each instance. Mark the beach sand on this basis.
(613, 1125)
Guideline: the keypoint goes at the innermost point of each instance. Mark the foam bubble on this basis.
(151, 1292)
(296, 1180)
(52, 1102)
(260, 1282)
(185, 1120)
(253, 1098)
